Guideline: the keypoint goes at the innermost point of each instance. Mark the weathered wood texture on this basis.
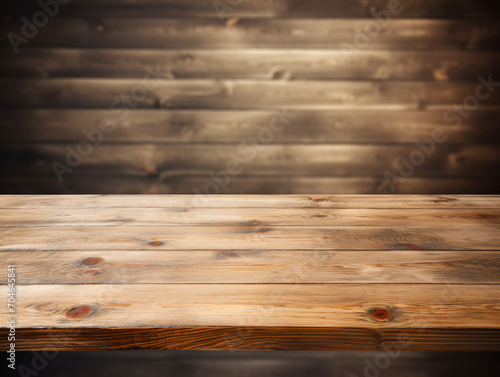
(253, 272)
(365, 81)
(174, 160)
(235, 126)
(420, 34)
(225, 338)
(261, 64)
(238, 94)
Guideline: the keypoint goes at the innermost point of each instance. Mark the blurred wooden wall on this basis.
(266, 364)
(222, 78)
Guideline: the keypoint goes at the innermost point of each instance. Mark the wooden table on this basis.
(259, 272)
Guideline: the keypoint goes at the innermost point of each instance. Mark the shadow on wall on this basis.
(265, 364)
(276, 97)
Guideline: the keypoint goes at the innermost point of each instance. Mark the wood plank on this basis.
(255, 267)
(222, 126)
(112, 202)
(277, 8)
(132, 237)
(255, 338)
(254, 217)
(260, 64)
(147, 33)
(239, 94)
(249, 184)
(301, 305)
(254, 158)
(438, 281)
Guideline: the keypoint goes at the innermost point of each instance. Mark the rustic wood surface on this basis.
(262, 272)
(420, 34)
(363, 88)
(306, 64)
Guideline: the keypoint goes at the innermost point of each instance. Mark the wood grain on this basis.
(255, 267)
(249, 238)
(268, 305)
(253, 272)
(154, 33)
(232, 160)
(112, 202)
(256, 338)
(234, 126)
(256, 217)
(240, 94)
(223, 74)
(262, 64)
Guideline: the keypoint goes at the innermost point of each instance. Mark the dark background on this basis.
(266, 364)
(224, 72)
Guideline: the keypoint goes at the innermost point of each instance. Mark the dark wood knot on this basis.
(92, 261)
(319, 200)
(381, 314)
(156, 243)
(79, 312)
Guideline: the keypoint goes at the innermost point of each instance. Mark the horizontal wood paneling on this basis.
(263, 64)
(238, 94)
(220, 79)
(243, 184)
(170, 33)
(46, 202)
(236, 127)
(220, 160)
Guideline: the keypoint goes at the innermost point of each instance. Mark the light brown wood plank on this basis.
(251, 64)
(112, 202)
(229, 126)
(253, 217)
(250, 238)
(257, 267)
(262, 33)
(338, 306)
(437, 280)
(240, 94)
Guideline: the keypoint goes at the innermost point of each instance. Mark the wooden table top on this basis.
(341, 272)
